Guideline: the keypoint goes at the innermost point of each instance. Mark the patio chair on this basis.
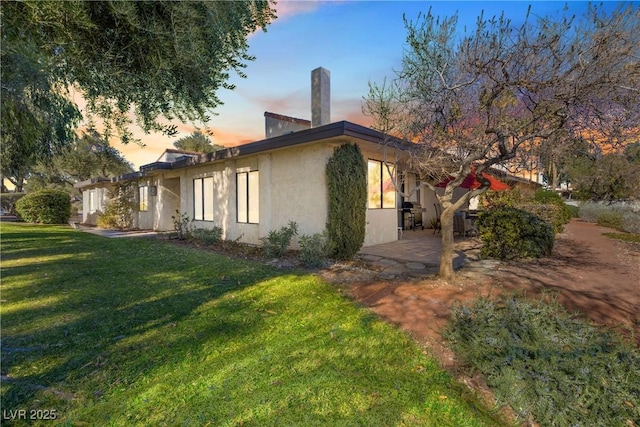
(463, 225)
(459, 224)
(437, 226)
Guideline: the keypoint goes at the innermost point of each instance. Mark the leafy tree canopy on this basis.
(198, 142)
(152, 58)
(90, 156)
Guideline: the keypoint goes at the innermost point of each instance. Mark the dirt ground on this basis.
(589, 272)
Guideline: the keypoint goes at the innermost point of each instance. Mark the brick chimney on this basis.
(320, 97)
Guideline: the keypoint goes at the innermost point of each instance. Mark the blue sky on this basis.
(357, 41)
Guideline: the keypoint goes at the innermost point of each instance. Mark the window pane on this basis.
(197, 199)
(254, 197)
(207, 199)
(144, 205)
(373, 183)
(241, 196)
(388, 190)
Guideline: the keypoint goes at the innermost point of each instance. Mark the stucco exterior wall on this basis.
(292, 187)
(297, 185)
(145, 219)
(94, 201)
(168, 202)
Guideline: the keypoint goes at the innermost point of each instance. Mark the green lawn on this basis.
(143, 332)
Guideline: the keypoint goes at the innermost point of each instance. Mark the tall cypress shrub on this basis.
(347, 181)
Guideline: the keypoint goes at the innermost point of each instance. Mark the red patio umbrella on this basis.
(471, 182)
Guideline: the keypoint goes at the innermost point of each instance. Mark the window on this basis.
(92, 201)
(381, 191)
(143, 198)
(203, 199)
(247, 200)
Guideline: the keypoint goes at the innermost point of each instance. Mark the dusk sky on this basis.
(357, 41)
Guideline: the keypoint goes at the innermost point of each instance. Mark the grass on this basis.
(627, 237)
(144, 332)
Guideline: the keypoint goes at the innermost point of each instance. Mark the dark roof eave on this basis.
(91, 181)
(331, 130)
(155, 166)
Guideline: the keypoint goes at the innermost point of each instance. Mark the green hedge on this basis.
(510, 233)
(45, 207)
(559, 216)
(347, 182)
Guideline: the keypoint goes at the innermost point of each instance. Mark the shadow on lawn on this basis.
(90, 314)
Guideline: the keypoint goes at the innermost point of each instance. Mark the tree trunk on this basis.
(446, 254)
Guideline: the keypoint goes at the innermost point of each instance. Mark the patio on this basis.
(417, 254)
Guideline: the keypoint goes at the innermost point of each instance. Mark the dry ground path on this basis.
(589, 272)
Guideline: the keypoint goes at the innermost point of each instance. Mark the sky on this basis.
(357, 41)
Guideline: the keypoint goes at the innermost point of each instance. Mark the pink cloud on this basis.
(287, 9)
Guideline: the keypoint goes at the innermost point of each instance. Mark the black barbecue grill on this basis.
(412, 215)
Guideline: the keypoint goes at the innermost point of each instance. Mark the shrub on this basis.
(545, 204)
(277, 241)
(560, 216)
(551, 213)
(548, 365)
(347, 184)
(207, 236)
(510, 233)
(45, 207)
(611, 219)
(496, 199)
(622, 217)
(182, 225)
(575, 211)
(118, 212)
(314, 249)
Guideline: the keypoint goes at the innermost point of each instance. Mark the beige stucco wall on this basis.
(292, 187)
(167, 202)
(298, 189)
(99, 195)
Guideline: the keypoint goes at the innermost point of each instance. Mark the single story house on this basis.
(254, 188)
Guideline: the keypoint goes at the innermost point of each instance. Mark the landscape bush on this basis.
(275, 244)
(575, 211)
(510, 233)
(559, 216)
(206, 236)
(314, 249)
(545, 204)
(347, 186)
(182, 225)
(549, 212)
(622, 217)
(549, 365)
(45, 207)
(118, 212)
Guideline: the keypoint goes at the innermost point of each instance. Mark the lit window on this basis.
(247, 199)
(143, 197)
(381, 191)
(203, 199)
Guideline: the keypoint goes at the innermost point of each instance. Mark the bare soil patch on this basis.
(590, 274)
